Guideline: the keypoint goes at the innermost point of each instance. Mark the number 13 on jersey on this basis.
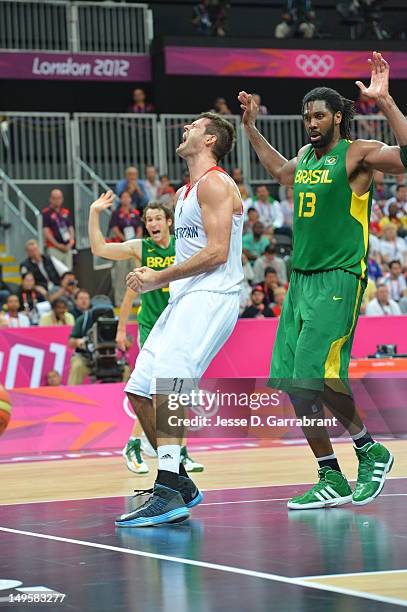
(307, 207)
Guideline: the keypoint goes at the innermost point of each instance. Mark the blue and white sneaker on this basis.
(191, 495)
(164, 506)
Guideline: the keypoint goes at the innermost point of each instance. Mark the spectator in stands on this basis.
(125, 224)
(395, 281)
(135, 187)
(54, 379)
(381, 192)
(13, 318)
(139, 104)
(297, 20)
(67, 290)
(30, 298)
(42, 267)
(200, 18)
(287, 207)
(268, 208)
(165, 191)
(392, 246)
(151, 183)
(396, 216)
(221, 107)
(279, 297)
(382, 304)
(400, 200)
(185, 179)
(374, 271)
(252, 218)
(82, 303)
(217, 15)
(263, 110)
(245, 287)
(257, 308)
(59, 314)
(237, 176)
(59, 234)
(270, 284)
(254, 242)
(269, 260)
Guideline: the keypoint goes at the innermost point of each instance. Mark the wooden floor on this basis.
(108, 477)
(365, 545)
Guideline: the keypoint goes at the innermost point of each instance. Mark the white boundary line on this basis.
(215, 566)
(374, 573)
(287, 484)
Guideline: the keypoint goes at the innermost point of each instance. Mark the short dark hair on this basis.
(270, 249)
(400, 186)
(394, 261)
(335, 102)
(60, 300)
(169, 214)
(269, 270)
(224, 132)
(67, 273)
(262, 185)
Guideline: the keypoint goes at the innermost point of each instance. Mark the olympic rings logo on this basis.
(315, 65)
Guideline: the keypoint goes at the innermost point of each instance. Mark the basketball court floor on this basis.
(240, 550)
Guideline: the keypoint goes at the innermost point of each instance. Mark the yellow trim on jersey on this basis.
(359, 207)
(333, 361)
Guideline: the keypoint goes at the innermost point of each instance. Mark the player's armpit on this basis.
(376, 155)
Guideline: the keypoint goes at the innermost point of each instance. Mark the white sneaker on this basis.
(146, 447)
(189, 464)
(134, 458)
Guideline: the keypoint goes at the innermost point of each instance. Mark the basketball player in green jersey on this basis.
(156, 252)
(332, 179)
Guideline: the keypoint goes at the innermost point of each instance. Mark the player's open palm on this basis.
(104, 201)
(379, 81)
(249, 108)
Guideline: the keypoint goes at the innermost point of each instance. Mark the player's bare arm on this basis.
(98, 244)
(276, 164)
(217, 198)
(371, 154)
(124, 312)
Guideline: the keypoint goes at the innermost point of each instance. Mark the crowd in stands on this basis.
(49, 293)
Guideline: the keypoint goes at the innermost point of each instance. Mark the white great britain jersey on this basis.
(190, 238)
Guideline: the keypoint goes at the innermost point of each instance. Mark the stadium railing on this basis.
(59, 25)
(23, 216)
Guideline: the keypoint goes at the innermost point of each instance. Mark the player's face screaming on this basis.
(193, 138)
(157, 225)
(319, 123)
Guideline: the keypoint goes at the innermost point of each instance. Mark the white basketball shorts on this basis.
(184, 340)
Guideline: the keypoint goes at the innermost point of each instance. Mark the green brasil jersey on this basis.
(331, 223)
(154, 302)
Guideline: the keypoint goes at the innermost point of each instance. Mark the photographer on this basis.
(67, 290)
(83, 359)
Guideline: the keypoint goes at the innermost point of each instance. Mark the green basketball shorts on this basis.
(315, 331)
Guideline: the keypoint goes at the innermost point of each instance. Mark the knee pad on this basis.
(307, 406)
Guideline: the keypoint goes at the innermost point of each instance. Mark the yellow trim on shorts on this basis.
(333, 361)
(359, 207)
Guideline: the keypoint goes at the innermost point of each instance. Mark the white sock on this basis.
(169, 457)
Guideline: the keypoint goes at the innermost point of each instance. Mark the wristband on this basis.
(403, 155)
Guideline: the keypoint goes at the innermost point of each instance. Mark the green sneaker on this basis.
(374, 463)
(134, 458)
(189, 464)
(332, 490)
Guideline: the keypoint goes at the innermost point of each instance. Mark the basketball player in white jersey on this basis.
(201, 313)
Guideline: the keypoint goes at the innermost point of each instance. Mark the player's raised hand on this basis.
(104, 201)
(249, 106)
(379, 80)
